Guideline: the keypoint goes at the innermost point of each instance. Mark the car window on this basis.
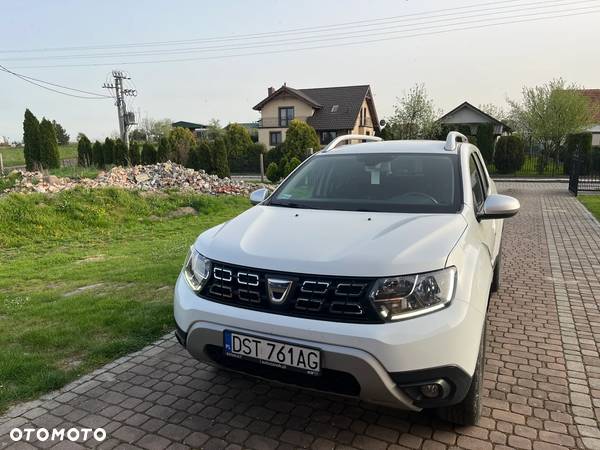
(383, 182)
(476, 184)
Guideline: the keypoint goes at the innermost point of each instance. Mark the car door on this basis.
(479, 187)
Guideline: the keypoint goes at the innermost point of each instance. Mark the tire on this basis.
(468, 411)
(496, 278)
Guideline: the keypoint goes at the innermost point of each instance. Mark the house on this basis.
(593, 95)
(197, 128)
(331, 111)
(469, 115)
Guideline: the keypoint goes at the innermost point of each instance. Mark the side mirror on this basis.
(498, 206)
(259, 196)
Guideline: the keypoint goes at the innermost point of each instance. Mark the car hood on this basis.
(340, 243)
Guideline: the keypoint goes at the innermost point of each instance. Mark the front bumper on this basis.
(380, 363)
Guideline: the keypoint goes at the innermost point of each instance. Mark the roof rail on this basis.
(349, 137)
(452, 140)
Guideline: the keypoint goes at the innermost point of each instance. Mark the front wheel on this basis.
(468, 411)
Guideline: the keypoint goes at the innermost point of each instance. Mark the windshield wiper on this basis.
(287, 204)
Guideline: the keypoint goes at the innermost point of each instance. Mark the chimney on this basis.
(270, 90)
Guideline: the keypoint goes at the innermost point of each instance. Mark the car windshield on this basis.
(380, 182)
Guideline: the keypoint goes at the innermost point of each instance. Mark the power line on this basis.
(303, 30)
(537, 18)
(32, 80)
(541, 7)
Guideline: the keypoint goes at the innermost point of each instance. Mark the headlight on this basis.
(403, 297)
(196, 269)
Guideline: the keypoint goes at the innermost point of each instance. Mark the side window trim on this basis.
(482, 174)
(478, 175)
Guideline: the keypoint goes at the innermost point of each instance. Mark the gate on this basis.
(585, 175)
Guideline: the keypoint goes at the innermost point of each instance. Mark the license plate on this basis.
(273, 353)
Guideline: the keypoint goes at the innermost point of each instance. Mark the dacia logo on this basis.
(278, 289)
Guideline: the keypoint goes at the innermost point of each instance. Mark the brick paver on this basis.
(542, 378)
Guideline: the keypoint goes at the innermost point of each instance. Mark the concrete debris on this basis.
(154, 177)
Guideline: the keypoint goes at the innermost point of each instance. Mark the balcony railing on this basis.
(278, 122)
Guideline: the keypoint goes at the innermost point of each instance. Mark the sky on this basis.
(484, 65)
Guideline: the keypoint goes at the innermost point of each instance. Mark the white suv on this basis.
(367, 272)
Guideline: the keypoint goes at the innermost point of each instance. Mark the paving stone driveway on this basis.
(542, 381)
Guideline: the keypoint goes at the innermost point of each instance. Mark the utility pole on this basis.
(126, 119)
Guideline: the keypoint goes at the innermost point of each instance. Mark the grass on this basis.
(75, 172)
(87, 276)
(14, 156)
(591, 202)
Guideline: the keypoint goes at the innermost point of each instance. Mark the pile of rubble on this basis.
(153, 177)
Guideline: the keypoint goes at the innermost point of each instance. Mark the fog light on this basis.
(432, 390)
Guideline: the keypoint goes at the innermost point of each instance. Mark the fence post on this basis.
(1, 165)
(262, 168)
(574, 175)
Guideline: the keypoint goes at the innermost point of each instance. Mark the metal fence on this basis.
(535, 165)
(585, 175)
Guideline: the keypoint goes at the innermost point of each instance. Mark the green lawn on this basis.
(14, 156)
(87, 276)
(591, 202)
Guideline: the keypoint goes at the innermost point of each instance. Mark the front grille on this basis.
(340, 299)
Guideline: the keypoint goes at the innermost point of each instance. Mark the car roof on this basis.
(392, 147)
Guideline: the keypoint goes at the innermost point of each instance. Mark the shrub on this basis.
(578, 144)
(49, 156)
(299, 138)
(148, 154)
(84, 151)
(291, 165)
(31, 141)
(98, 154)
(134, 153)
(509, 155)
(109, 151)
(485, 141)
(181, 141)
(218, 153)
(164, 150)
(248, 161)
(121, 156)
(273, 172)
(274, 155)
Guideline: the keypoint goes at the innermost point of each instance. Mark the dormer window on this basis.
(335, 108)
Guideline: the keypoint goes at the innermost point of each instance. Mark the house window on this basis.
(275, 138)
(286, 115)
(327, 137)
(363, 118)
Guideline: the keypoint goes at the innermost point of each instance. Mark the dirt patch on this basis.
(83, 289)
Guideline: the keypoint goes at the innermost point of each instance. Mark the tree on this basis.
(109, 151)
(273, 172)
(497, 112)
(148, 154)
(299, 139)
(578, 145)
(238, 140)
(138, 135)
(164, 150)
(134, 154)
(204, 157)
(152, 130)
(218, 153)
(485, 141)
(509, 154)
(291, 165)
(181, 140)
(49, 156)
(61, 134)
(84, 151)
(548, 113)
(121, 156)
(214, 130)
(98, 154)
(414, 116)
(31, 141)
